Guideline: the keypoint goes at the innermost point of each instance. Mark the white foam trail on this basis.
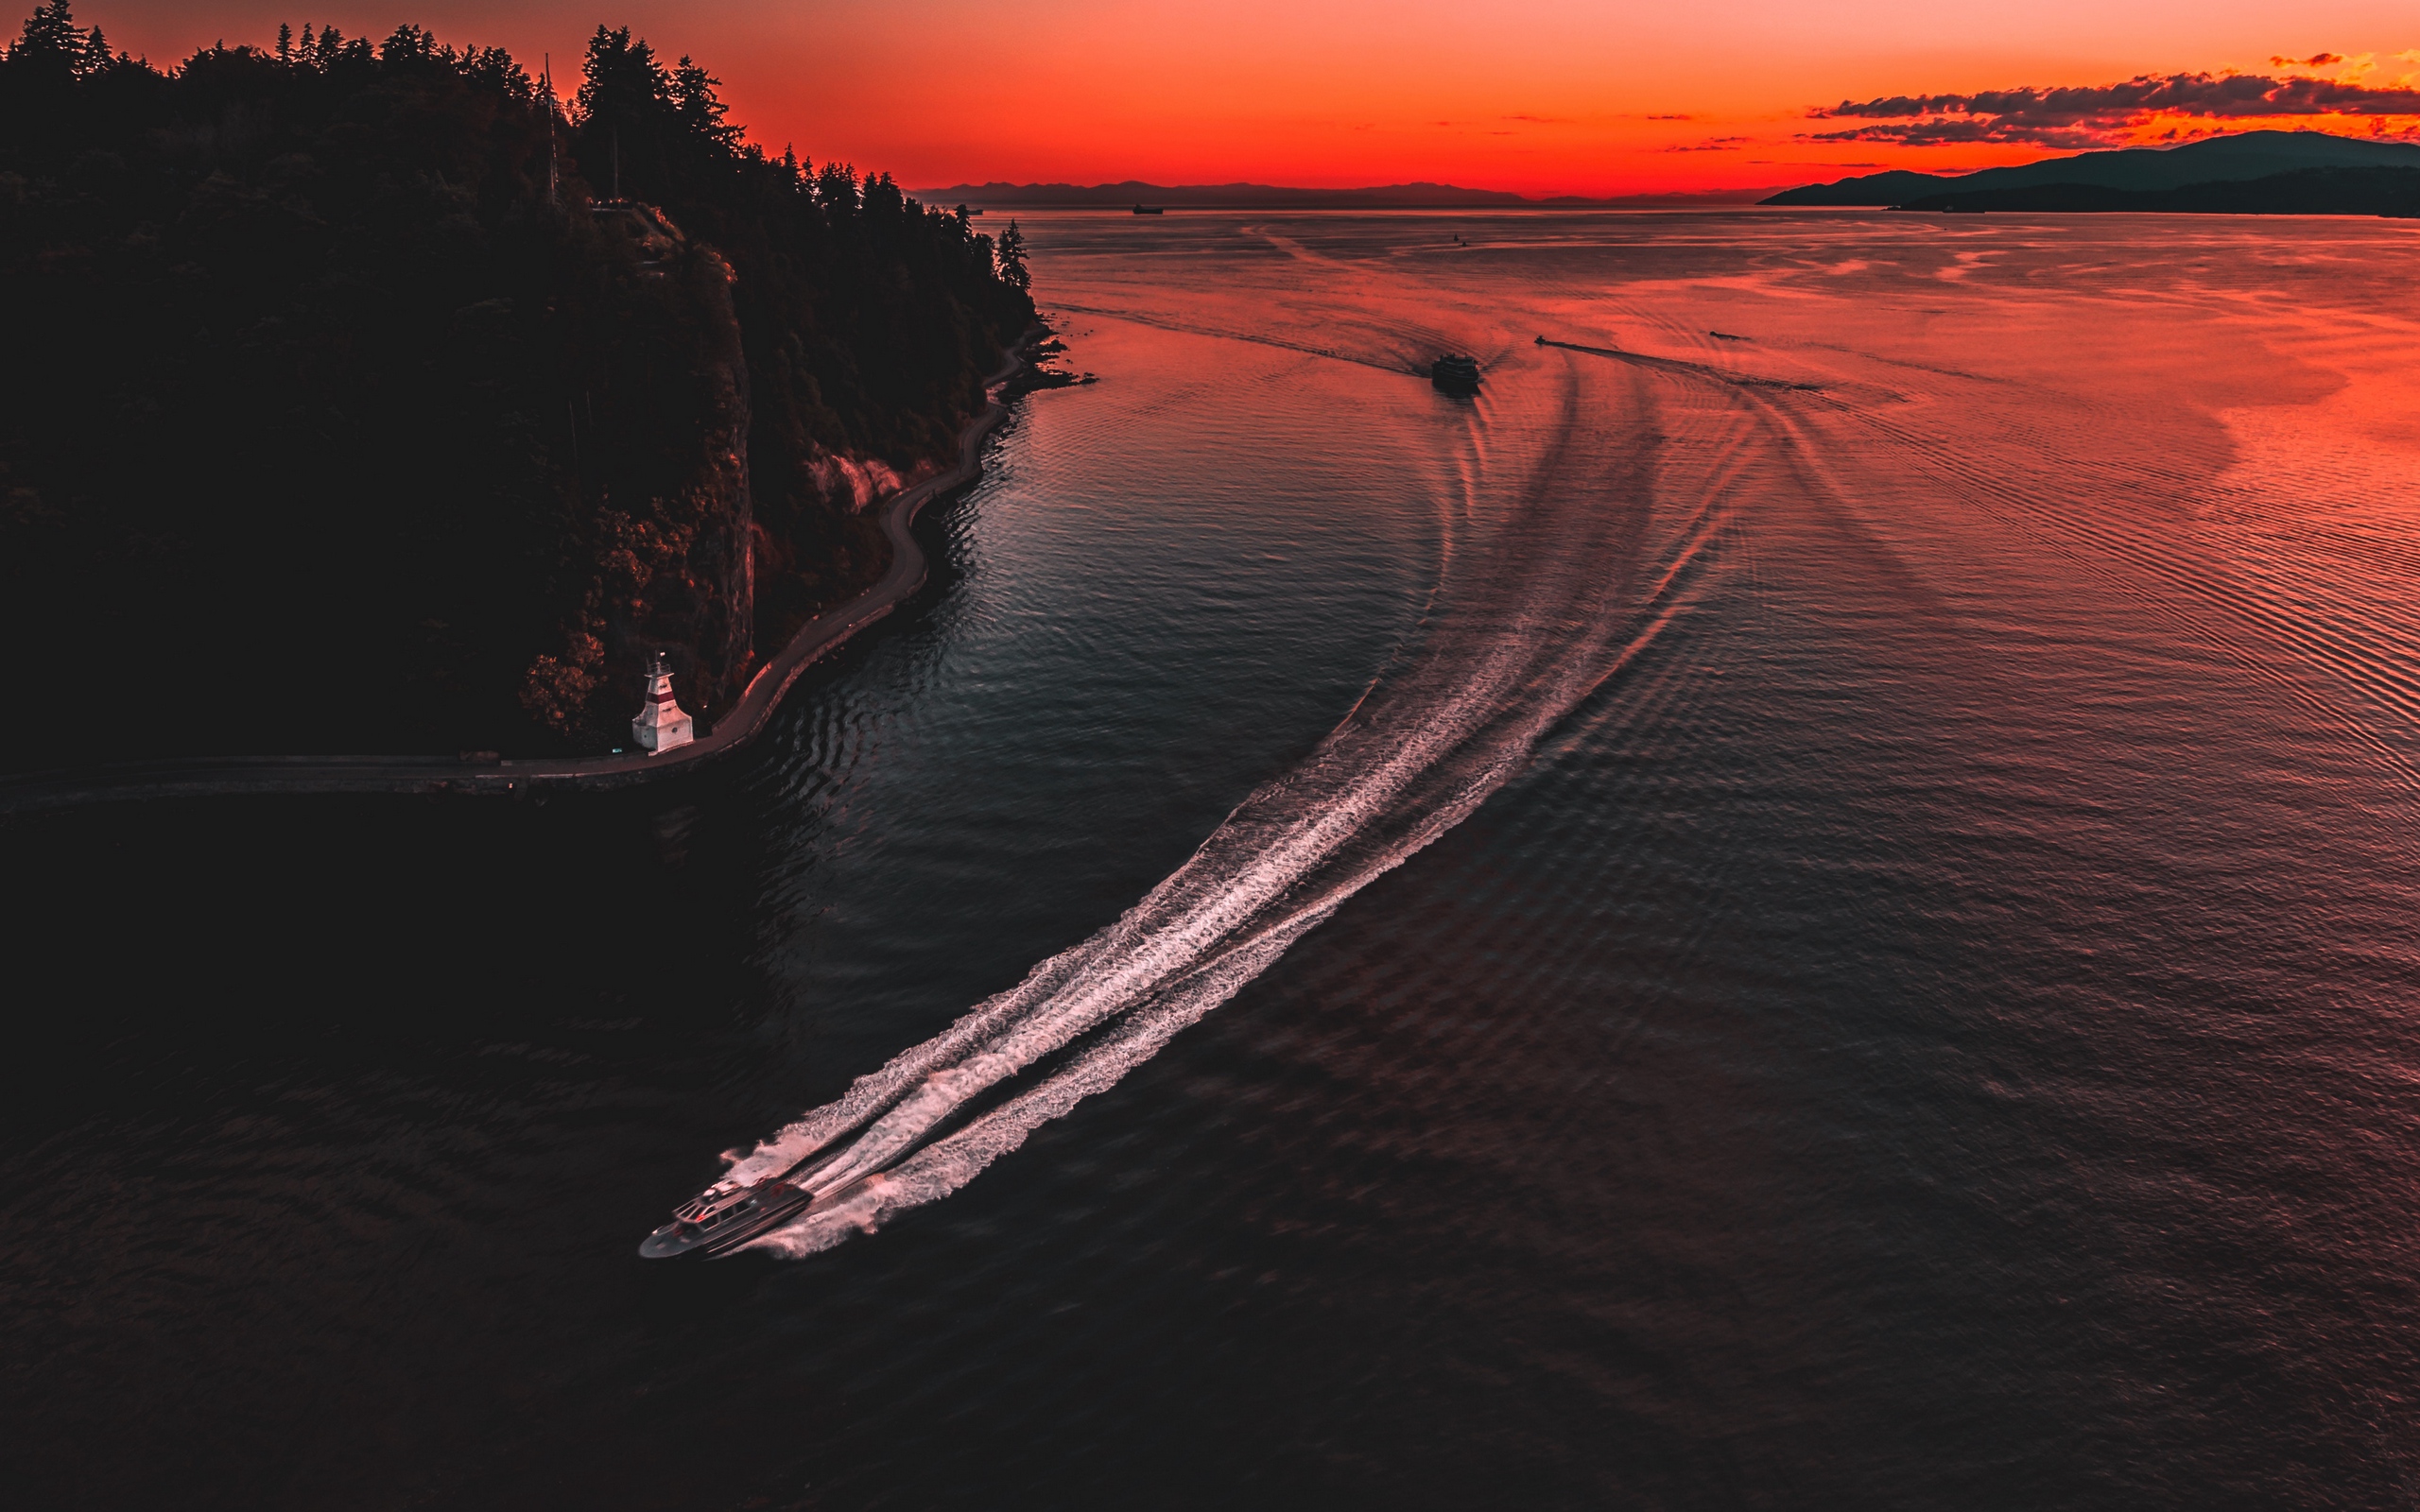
(1169, 934)
(1413, 760)
(949, 1163)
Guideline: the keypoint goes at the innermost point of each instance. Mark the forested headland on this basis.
(346, 406)
(2335, 191)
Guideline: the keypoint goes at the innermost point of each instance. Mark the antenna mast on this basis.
(552, 175)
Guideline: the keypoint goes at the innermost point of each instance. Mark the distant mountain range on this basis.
(2246, 156)
(1272, 197)
(2127, 178)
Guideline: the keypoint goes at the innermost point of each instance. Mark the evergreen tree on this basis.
(836, 188)
(1011, 256)
(50, 32)
(52, 49)
(693, 94)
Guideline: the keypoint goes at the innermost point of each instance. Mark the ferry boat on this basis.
(1151, 210)
(1455, 374)
(721, 1219)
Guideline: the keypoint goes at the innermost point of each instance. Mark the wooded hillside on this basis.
(338, 414)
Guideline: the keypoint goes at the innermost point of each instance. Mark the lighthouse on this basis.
(660, 724)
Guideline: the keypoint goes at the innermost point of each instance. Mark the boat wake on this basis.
(1551, 593)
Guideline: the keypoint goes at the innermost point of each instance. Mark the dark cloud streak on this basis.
(2097, 115)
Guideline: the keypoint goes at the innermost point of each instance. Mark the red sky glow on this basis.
(1541, 96)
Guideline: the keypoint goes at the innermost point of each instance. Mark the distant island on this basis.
(2391, 192)
(1272, 197)
(359, 398)
(2296, 172)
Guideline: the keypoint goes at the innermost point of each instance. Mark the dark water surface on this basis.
(1818, 919)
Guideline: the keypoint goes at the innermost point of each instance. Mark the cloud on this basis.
(2314, 61)
(1665, 117)
(2101, 114)
(1712, 144)
(1949, 133)
(1539, 120)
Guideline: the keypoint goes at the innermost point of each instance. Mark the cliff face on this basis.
(661, 553)
(712, 608)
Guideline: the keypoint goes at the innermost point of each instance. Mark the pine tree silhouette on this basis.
(1011, 256)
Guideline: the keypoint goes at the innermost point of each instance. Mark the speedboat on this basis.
(1456, 375)
(721, 1219)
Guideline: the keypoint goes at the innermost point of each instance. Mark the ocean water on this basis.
(1809, 901)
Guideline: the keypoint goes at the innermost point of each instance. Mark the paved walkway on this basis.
(192, 776)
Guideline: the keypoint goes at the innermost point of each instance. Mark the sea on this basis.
(1811, 899)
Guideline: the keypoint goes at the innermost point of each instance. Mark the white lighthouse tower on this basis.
(660, 724)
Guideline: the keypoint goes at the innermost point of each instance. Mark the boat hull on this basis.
(1455, 375)
(766, 1207)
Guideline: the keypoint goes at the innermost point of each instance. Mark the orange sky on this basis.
(1543, 96)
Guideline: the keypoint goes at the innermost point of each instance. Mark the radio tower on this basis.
(551, 176)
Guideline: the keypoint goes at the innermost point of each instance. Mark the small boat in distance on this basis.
(1455, 374)
(1151, 210)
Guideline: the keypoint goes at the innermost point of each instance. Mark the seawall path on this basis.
(197, 776)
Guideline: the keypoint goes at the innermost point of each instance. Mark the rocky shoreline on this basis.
(490, 774)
